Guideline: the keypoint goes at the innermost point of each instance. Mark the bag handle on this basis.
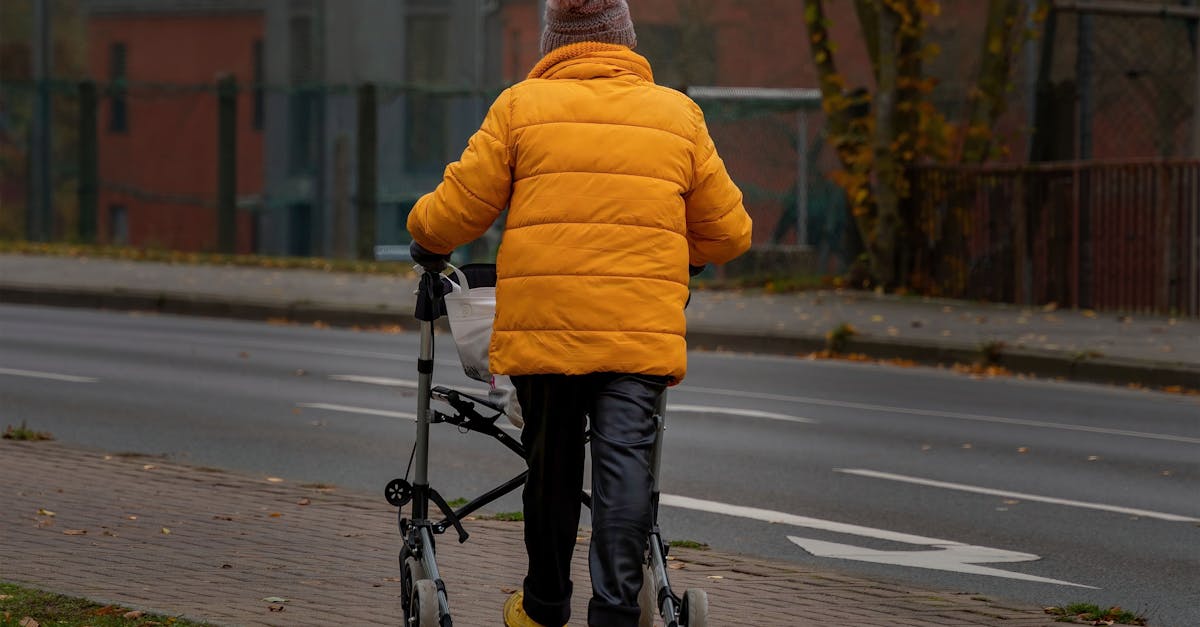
(462, 285)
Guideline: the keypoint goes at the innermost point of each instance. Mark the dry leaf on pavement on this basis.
(274, 480)
(508, 590)
(28, 622)
(275, 608)
(74, 532)
(303, 502)
(166, 532)
(45, 512)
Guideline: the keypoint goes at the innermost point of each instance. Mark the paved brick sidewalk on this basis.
(211, 545)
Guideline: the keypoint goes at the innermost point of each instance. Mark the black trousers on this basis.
(556, 409)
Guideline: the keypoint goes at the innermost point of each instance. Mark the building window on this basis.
(681, 55)
(258, 85)
(118, 121)
(118, 225)
(302, 102)
(425, 66)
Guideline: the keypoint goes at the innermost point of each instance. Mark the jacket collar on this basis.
(593, 60)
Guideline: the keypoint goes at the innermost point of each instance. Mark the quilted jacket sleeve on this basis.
(718, 227)
(473, 191)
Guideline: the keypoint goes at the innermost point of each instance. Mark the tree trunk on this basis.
(888, 170)
(988, 99)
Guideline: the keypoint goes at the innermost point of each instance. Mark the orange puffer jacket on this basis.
(613, 187)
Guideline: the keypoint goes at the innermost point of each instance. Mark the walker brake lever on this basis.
(450, 515)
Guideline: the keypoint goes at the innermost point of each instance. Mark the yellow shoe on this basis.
(514, 612)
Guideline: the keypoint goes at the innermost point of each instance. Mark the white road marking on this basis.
(399, 383)
(33, 374)
(940, 414)
(697, 409)
(957, 558)
(733, 411)
(945, 555)
(862, 472)
(360, 410)
(367, 411)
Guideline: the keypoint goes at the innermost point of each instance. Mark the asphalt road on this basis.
(1014, 489)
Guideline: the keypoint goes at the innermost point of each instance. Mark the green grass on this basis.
(457, 503)
(690, 544)
(55, 610)
(505, 516)
(170, 256)
(24, 433)
(1089, 613)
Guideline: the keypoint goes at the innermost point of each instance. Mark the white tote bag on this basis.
(471, 311)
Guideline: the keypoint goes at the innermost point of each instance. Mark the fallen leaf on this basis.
(274, 479)
(276, 514)
(28, 622)
(5, 597)
(149, 467)
(275, 600)
(74, 532)
(303, 502)
(1088, 313)
(166, 532)
(275, 608)
(715, 577)
(132, 615)
(508, 590)
(45, 512)
(876, 318)
(131, 517)
(675, 566)
(1023, 449)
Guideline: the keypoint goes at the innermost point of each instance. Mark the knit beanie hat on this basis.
(575, 21)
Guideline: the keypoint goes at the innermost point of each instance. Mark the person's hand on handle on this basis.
(431, 261)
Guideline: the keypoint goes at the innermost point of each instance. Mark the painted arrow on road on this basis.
(954, 557)
(938, 554)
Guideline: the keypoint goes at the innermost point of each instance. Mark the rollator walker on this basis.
(424, 598)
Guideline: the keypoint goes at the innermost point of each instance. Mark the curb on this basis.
(1042, 364)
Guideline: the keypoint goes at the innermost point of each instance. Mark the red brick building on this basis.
(160, 61)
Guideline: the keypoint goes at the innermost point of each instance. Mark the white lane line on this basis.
(33, 374)
(766, 515)
(940, 414)
(399, 383)
(360, 410)
(695, 409)
(732, 411)
(367, 411)
(863, 472)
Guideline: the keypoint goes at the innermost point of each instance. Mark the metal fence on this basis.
(1114, 236)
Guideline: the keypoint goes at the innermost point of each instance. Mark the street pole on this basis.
(39, 221)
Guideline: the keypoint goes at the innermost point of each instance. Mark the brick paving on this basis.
(211, 545)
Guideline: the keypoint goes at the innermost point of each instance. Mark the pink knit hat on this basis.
(575, 21)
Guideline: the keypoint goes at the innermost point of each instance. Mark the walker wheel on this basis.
(647, 599)
(424, 605)
(398, 492)
(410, 573)
(694, 612)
